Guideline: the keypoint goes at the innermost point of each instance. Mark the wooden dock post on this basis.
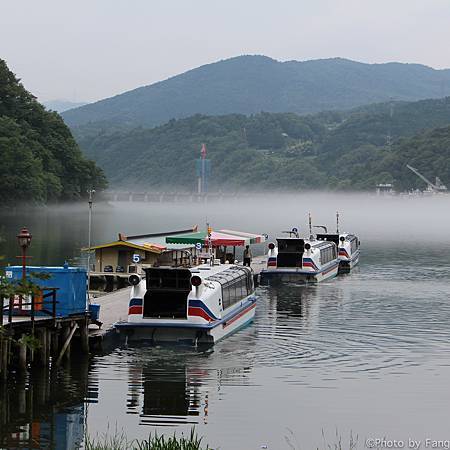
(84, 334)
(65, 348)
(22, 401)
(42, 357)
(54, 339)
(65, 351)
(22, 354)
(3, 357)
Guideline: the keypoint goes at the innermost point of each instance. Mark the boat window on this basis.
(167, 293)
(290, 245)
(327, 254)
(168, 278)
(234, 291)
(354, 244)
(225, 298)
(165, 304)
(236, 282)
(328, 237)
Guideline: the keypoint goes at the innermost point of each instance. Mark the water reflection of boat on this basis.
(174, 388)
(167, 395)
(45, 412)
(198, 305)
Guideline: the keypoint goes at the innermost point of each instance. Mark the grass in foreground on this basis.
(119, 441)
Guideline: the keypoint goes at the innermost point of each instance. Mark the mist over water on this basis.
(367, 353)
(60, 231)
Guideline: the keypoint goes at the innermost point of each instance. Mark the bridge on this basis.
(160, 197)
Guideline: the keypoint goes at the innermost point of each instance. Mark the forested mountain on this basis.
(332, 150)
(39, 158)
(251, 84)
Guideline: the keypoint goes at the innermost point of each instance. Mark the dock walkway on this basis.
(259, 263)
(113, 308)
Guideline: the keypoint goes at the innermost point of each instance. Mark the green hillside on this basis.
(251, 84)
(368, 165)
(40, 160)
(332, 150)
(243, 151)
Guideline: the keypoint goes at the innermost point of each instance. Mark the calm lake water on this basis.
(366, 353)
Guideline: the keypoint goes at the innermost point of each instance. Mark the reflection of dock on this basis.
(41, 412)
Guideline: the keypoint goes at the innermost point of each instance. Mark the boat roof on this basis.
(312, 242)
(219, 272)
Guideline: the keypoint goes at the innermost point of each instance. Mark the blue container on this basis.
(94, 309)
(70, 282)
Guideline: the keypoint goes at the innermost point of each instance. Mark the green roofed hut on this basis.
(220, 241)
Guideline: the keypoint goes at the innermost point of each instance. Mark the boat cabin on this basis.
(328, 237)
(339, 239)
(168, 289)
(167, 293)
(202, 304)
(290, 252)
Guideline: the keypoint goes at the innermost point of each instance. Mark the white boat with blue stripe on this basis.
(348, 249)
(348, 246)
(294, 259)
(199, 305)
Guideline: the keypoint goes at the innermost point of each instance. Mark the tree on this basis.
(41, 160)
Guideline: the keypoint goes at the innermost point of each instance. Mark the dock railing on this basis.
(18, 306)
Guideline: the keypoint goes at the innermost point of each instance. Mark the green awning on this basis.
(190, 238)
(218, 238)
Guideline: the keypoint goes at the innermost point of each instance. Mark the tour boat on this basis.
(300, 260)
(199, 305)
(348, 249)
(347, 244)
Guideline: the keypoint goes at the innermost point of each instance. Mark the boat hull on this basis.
(190, 333)
(347, 264)
(293, 275)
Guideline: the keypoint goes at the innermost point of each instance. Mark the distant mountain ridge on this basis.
(251, 84)
(62, 105)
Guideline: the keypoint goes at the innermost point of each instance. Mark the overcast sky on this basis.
(84, 50)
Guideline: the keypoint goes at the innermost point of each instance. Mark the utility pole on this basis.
(203, 168)
(391, 114)
(91, 193)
